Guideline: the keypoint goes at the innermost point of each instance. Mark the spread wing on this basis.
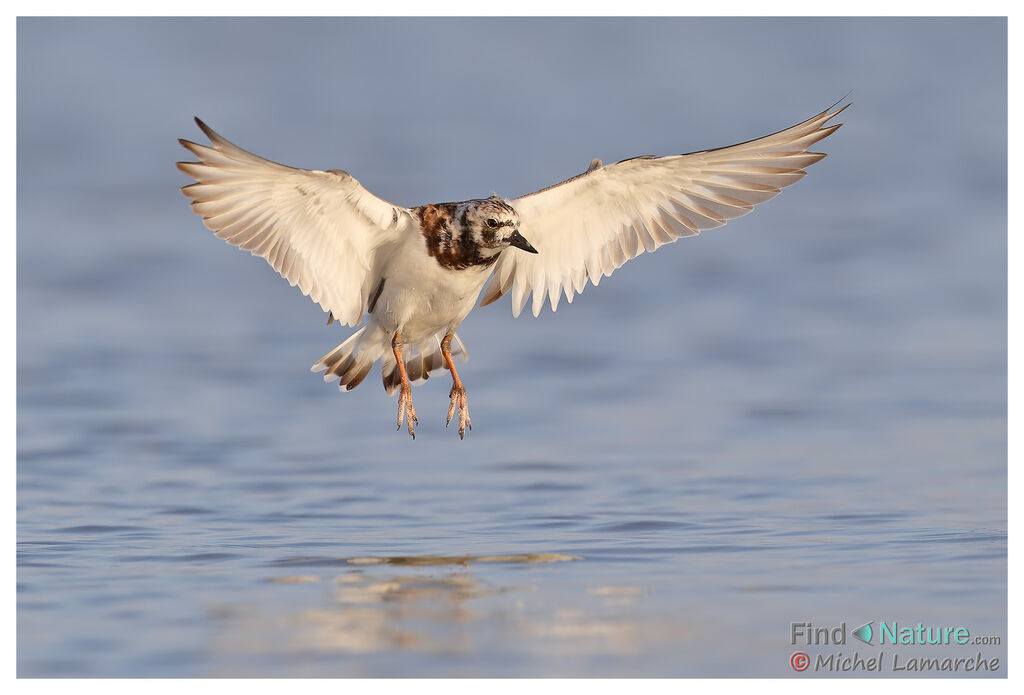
(588, 226)
(321, 230)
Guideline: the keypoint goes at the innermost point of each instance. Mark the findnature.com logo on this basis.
(892, 634)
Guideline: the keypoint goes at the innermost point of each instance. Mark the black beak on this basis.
(520, 242)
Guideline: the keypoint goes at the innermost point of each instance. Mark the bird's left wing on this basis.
(321, 230)
(588, 226)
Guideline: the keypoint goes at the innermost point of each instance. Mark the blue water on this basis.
(798, 418)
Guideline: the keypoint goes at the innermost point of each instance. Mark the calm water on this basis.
(798, 418)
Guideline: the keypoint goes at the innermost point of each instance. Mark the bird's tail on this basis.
(420, 359)
(351, 361)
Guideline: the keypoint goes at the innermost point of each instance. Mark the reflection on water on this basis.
(429, 560)
(438, 612)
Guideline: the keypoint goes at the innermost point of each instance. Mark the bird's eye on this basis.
(492, 223)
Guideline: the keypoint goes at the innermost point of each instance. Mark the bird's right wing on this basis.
(321, 230)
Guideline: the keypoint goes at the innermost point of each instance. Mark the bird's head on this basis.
(492, 224)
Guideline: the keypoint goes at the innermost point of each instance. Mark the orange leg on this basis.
(405, 397)
(458, 392)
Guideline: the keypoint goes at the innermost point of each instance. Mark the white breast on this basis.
(420, 298)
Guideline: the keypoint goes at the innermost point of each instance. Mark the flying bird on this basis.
(417, 272)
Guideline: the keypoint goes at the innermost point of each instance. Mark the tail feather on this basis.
(352, 361)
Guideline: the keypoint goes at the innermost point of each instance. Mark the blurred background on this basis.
(798, 417)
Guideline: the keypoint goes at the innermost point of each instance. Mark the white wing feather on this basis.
(321, 230)
(588, 226)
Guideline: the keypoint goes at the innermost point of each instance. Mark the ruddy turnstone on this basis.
(418, 271)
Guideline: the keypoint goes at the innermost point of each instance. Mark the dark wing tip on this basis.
(207, 130)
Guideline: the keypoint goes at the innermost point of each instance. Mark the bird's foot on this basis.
(458, 396)
(405, 408)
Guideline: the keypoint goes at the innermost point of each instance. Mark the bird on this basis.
(416, 272)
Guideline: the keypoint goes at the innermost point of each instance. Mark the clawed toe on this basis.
(406, 411)
(459, 399)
